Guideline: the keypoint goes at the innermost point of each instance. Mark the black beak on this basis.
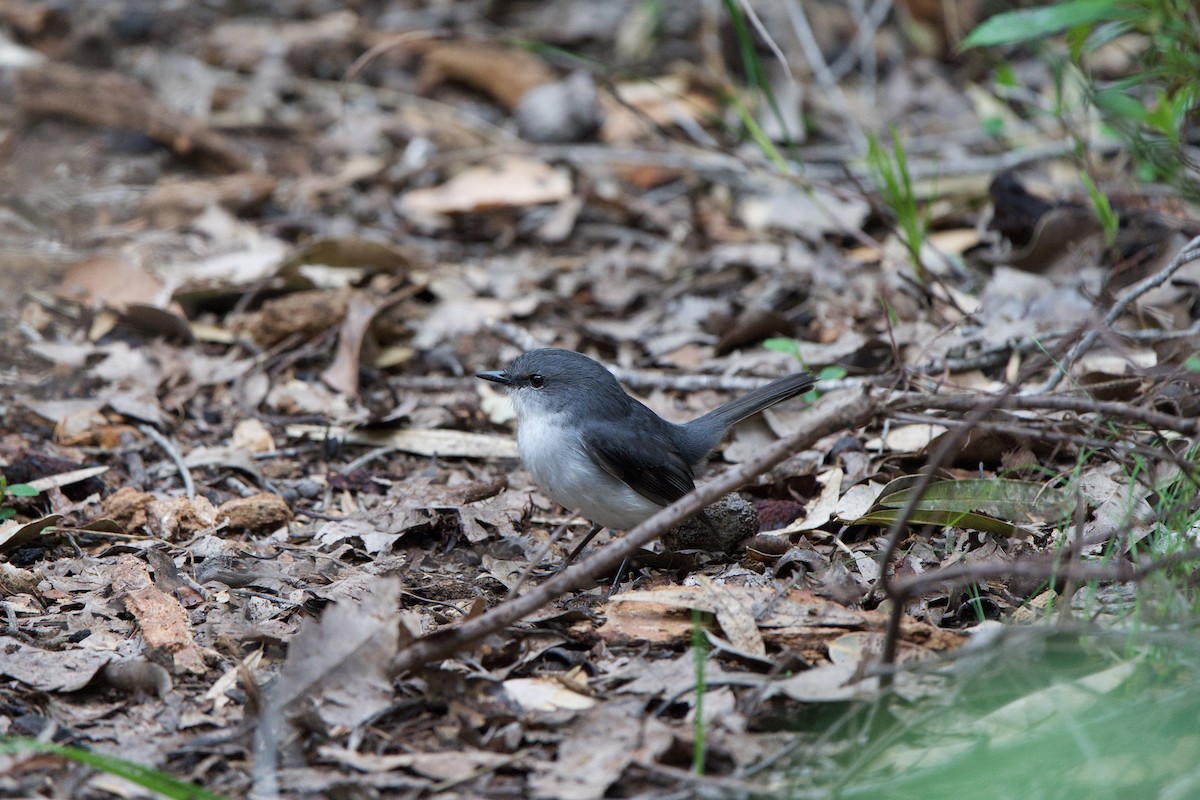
(496, 376)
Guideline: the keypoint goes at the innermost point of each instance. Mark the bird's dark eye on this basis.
(537, 381)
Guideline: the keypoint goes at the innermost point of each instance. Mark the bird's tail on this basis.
(708, 430)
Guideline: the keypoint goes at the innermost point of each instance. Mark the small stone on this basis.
(563, 111)
(731, 520)
(308, 489)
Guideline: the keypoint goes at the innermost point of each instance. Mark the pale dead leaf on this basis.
(50, 670)
(217, 693)
(545, 694)
(447, 766)
(14, 534)
(509, 182)
(906, 438)
(66, 478)
(252, 436)
(377, 532)
(810, 212)
(296, 397)
(594, 752)
(424, 442)
(112, 282)
(822, 510)
(735, 615)
(340, 662)
(342, 374)
(857, 499)
(496, 405)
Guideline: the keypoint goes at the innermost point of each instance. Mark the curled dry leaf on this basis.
(545, 694)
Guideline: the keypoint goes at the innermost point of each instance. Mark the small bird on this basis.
(597, 451)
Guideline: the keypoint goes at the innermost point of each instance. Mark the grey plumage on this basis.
(596, 450)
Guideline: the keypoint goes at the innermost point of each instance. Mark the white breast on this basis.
(555, 458)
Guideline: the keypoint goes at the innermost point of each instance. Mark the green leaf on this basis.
(781, 345)
(22, 490)
(946, 519)
(1103, 208)
(1192, 364)
(147, 778)
(831, 373)
(982, 505)
(1029, 24)
(1007, 499)
(786, 346)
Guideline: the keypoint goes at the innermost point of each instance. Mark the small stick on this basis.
(1189, 253)
(173, 452)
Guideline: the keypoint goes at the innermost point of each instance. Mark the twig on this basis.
(517, 335)
(1189, 253)
(443, 643)
(1056, 437)
(940, 454)
(173, 452)
(826, 79)
(863, 46)
(536, 561)
(135, 467)
(1189, 426)
(756, 21)
(1037, 568)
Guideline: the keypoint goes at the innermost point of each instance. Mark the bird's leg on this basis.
(537, 558)
(617, 580)
(579, 547)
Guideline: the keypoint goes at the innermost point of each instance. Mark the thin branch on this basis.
(863, 46)
(1189, 426)
(939, 457)
(1189, 253)
(1040, 434)
(173, 452)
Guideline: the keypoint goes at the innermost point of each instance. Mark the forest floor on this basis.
(279, 542)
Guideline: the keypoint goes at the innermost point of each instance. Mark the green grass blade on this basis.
(147, 778)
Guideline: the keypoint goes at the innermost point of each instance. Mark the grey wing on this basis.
(649, 465)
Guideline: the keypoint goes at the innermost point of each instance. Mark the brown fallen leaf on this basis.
(175, 200)
(735, 616)
(504, 72)
(596, 748)
(340, 662)
(109, 282)
(342, 374)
